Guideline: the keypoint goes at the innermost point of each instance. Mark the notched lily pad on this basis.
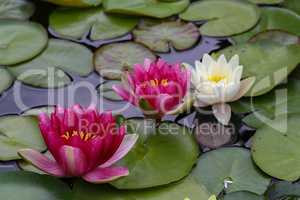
(269, 62)
(278, 36)
(16, 9)
(106, 91)
(161, 35)
(276, 151)
(233, 165)
(224, 18)
(273, 18)
(76, 22)
(6, 80)
(170, 149)
(48, 69)
(151, 8)
(20, 41)
(111, 60)
(18, 132)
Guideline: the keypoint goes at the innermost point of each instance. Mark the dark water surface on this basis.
(20, 98)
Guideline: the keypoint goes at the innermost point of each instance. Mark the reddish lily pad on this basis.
(6, 80)
(16, 9)
(113, 59)
(76, 22)
(161, 35)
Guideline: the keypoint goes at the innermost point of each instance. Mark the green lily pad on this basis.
(181, 190)
(269, 62)
(224, 17)
(106, 91)
(275, 151)
(48, 69)
(6, 80)
(267, 1)
(76, 3)
(113, 59)
(243, 195)
(160, 35)
(76, 22)
(20, 41)
(293, 5)
(16, 9)
(230, 164)
(29, 186)
(16, 133)
(283, 189)
(170, 149)
(158, 9)
(38, 110)
(280, 37)
(273, 18)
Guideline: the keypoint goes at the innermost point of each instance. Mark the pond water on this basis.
(29, 97)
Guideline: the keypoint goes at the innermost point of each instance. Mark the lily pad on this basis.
(280, 37)
(6, 80)
(38, 110)
(160, 35)
(243, 195)
(20, 41)
(276, 152)
(230, 164)
(224, 17)
(273, 18)
(16, 133)
(76, 3)
(293, 5)
(269, 62)
(29, 186)
(16, 9)
(76, 22)
(113, 59)
(170, 149)
(283, 189)
(106, 91)
(48, 69)
(181, 190)
(158, 9)
(267, 1)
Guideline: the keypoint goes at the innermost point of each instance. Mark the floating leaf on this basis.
(229, 164)
(16, 9)
(186, 189)
(76, 3)
(160, 35)
(38, 110)
(46, 69)
(269, 62)
(111, 60)
(76, 22)
(5, 80)
(224, 17)
(158, 9)
(17, 133)
(280, 37)
(283, 189)
(276, 151)
(170, 149)
(20, 41)
(293, 5)
(266, 1)
(273, 18)
(29, 186)
(243, 195)
(106, 91)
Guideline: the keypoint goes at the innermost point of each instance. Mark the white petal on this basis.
(222, 60)
(237, 74)
(200, 104)
(231, 91)
(234, 61)
(222, 113)
(245, 86)
(207, 60)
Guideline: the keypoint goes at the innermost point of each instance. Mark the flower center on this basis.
(216, 78)
(82, 135)
(156, 83)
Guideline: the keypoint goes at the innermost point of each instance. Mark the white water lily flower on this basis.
(217, 82)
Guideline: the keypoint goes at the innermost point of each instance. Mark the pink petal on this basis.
(104, 175)
(42, 162)
(73, 160)
(126, 145)
(123, 93)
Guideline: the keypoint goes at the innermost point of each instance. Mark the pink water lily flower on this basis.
(83, 144)
(156, 87)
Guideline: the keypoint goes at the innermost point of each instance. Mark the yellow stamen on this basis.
(216, 78)
(164, 82)
(154, 82)
(81, 134)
